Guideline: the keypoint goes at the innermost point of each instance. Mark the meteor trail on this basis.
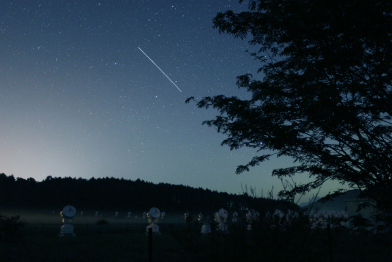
(160, 70)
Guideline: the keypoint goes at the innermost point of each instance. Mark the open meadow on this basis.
(88, 217)
(124, 239)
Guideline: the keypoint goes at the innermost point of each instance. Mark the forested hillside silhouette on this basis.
(122, 195)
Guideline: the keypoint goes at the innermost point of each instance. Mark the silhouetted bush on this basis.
(102, 222)
(10, 228)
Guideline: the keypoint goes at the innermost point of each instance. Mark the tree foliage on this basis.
(325, 95)
(111, 194)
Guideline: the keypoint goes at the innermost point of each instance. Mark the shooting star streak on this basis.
(160, 70)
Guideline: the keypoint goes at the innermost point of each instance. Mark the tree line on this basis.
(123, 195)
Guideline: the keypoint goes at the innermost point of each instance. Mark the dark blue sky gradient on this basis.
(79, 99)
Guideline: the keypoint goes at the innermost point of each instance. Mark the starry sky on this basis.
(79, 98)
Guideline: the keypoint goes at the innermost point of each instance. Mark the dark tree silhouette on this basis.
(324, 98)
(111, 194)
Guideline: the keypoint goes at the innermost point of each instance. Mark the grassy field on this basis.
(53, 217)
(124, 239)
(92, 246)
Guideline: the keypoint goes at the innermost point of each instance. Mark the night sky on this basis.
(78, 98)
